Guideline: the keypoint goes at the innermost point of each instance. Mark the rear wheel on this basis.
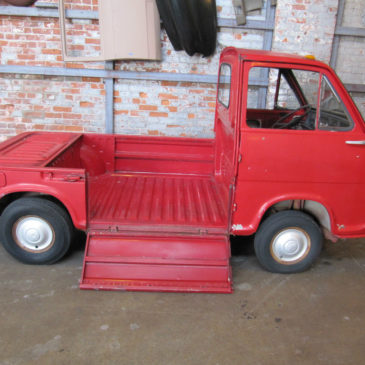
(35, 231)
(288, 242)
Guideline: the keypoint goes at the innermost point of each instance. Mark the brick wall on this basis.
(141, 107)
(305, 27)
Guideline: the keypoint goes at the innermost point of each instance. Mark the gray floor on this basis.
(317, 317)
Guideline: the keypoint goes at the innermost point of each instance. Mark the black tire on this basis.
(288, 242)
(190, 24)
(35, 231)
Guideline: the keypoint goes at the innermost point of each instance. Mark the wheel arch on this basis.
(313, 206)
(12, 196)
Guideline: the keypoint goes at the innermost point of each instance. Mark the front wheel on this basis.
(288, 242)
(35, 230)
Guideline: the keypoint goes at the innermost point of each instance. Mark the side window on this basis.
(224, 88)
(286, 97)
(333, 115)
(308, 82)
(289, 100)
(278, 94)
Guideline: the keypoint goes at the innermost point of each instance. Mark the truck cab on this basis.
(286, 164)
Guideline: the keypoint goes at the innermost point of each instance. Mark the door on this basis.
(304, 144)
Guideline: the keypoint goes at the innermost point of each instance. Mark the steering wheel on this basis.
(279, 125)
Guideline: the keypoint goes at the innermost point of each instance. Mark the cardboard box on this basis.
(128, 30)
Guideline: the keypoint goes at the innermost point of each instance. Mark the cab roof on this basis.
(260, 55)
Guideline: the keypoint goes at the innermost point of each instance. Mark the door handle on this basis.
(356, 142)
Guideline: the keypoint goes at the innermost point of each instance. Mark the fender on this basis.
(75, 205)
(240, 228)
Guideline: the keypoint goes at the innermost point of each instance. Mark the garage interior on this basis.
(47, 85)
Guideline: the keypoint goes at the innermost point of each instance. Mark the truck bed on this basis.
(155, 202)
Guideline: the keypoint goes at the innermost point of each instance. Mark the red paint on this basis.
(158, 210)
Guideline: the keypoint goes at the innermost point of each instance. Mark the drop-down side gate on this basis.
(170, 263)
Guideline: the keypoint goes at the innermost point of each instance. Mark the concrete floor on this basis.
(317, 317)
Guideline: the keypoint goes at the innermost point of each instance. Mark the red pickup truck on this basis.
(159, 211)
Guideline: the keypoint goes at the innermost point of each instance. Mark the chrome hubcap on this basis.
(33, 234)
(290, 246)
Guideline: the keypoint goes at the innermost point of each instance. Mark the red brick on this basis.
(299, 7)
(187, 84)
(53, 115)
(51, 51)
(169, 83)
(159, 114)
(167, 96)
(74, 128)
(26, 56)
(148, 107)
(153, 133)
(121, 112)
(92, 41)
(71, 116)
(91, 79)
(62, 109)
(86, 104)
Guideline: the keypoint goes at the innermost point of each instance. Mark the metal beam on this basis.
(350, 31)
(100, 73)
(250, 24)
(47, 12)
(355, 88)
(89, 14)
(114, 74)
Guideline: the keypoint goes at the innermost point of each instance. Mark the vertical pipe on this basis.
(336, 38)
(268, 36)
(109, 100)
(61, 18)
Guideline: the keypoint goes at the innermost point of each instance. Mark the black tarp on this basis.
(190, 24)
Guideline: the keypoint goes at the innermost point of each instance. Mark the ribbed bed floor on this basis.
(147, 202)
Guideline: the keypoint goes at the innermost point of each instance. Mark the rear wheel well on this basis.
(9, 198)
(316, 210)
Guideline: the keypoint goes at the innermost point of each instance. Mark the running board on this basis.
(157, 263)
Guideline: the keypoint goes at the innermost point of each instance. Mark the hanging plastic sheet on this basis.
(191, 25)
